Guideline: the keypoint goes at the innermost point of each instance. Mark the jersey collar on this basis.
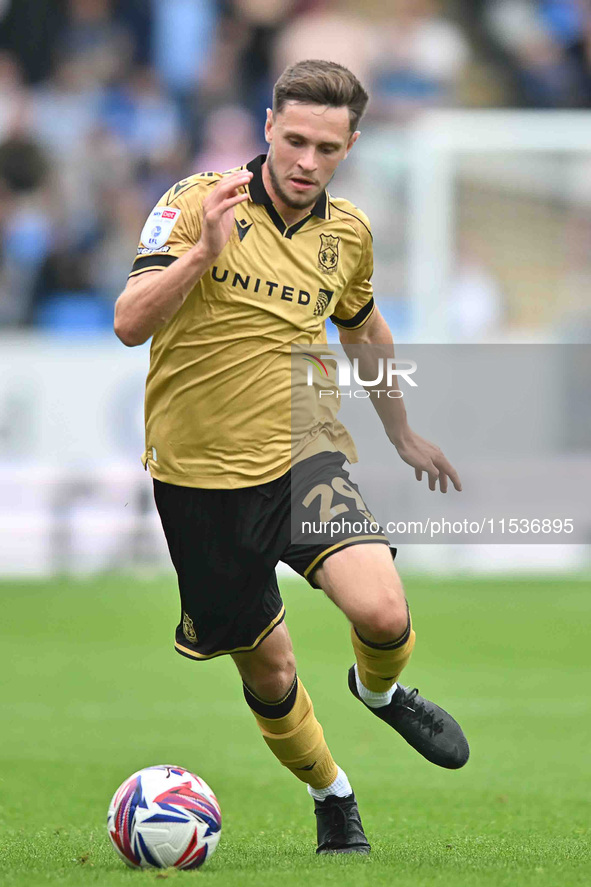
(258, 194)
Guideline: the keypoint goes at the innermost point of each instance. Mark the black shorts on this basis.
(225, 545)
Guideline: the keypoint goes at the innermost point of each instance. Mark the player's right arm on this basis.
(150, 300)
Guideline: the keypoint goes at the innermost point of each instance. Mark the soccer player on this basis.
(232, 270)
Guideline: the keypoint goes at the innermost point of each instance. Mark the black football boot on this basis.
(429, 729)
(338, 826)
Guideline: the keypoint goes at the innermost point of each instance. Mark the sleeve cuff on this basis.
(358, 319)
(151, 263)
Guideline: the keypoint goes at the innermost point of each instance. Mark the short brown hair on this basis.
(318, 82)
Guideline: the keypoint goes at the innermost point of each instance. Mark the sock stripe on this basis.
(271, 709)
(389, 645)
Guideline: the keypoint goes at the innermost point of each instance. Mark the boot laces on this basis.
(338, 819)
(421, 713)
(338, 822)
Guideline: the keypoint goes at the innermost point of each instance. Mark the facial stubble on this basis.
(287, 200)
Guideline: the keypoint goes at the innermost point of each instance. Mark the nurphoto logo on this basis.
(387, 370)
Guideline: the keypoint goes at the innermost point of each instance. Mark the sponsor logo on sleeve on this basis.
(146, 251)
(158, 228)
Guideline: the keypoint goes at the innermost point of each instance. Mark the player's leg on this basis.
(285, 716)
(224, 545)
(363, 582)
(270, 669)
(337, 544)
(283, 710)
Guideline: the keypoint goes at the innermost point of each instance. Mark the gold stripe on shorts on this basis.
(343, 544)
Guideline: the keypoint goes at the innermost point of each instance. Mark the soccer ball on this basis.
(164, 816)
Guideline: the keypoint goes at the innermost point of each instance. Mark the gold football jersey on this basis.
(219, 390)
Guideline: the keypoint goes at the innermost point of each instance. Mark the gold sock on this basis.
(295, 737)
(379, 665)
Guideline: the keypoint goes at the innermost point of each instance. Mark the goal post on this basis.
(433, 147)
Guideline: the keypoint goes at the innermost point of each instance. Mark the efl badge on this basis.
(328, 255)
(159, 227)
(188, 628)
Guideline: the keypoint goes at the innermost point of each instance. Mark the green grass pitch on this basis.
(92, 690)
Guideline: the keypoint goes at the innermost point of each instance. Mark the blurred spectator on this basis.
(122, 213)
(256, 24)
(65, 109)
(105, 103)
(143, 115)
(476, 299)
(548, 44)
(231, 139)
(136, 16)
(14, 98)
(26, 228)
(328, 31)
(183, 32)
(96, 41)
(30, 29)
(418, 58)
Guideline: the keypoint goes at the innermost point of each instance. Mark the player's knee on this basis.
(272, 678)
(274, 685)
(383, 623)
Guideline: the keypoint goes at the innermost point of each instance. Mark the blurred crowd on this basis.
(105, 103)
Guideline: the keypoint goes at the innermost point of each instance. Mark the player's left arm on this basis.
(421, 454)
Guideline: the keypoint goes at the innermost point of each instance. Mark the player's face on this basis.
(307, 143)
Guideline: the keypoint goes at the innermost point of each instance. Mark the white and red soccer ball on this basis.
(164, 816)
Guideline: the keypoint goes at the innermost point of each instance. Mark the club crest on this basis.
(328, 255)
(188, 628)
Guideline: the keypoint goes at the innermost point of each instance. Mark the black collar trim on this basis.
(258, 194)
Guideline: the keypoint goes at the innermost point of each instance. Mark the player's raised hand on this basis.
(422, 455)
(218, 212)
